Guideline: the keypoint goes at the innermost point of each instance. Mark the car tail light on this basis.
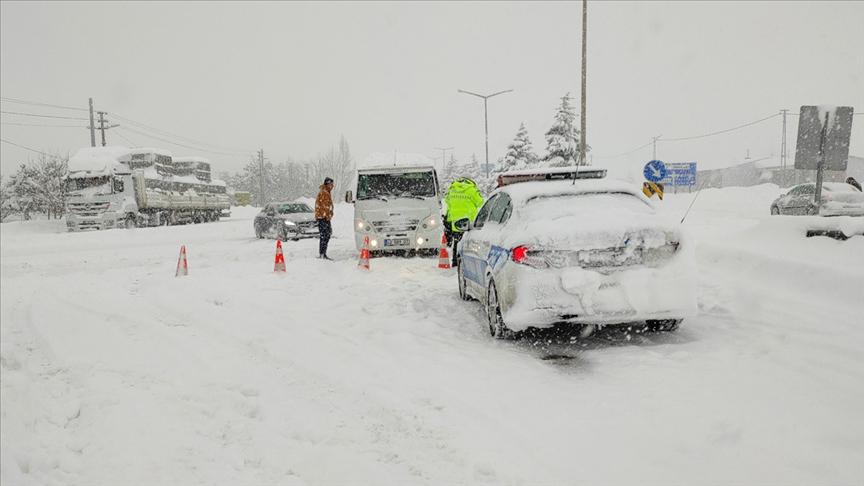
(519, 254)
(525, 256)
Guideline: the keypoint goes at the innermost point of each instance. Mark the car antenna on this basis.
(693, 201)
(575, 173)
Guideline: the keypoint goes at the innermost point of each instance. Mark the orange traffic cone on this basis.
(279, 264)
(182, 263)
(443, 255)
(364, 255)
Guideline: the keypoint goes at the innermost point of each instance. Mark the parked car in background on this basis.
(286, 221)
(577, 252)
(838, 199)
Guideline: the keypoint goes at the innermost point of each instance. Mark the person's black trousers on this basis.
(324, 232)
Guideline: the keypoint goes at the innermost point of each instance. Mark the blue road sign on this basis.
(680, 174)
(655, 171)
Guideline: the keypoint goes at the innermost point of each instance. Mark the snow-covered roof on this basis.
(95, 161)
(526, 190)
(397, 168)
(378, 159)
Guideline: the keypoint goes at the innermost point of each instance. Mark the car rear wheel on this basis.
(463, 291)
(497, 328)
(775, 211)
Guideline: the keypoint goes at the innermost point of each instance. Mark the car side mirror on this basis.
(463, 224)
(349, 197)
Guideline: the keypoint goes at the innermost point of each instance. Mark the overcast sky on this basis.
(290, 77)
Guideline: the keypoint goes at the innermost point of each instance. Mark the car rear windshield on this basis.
(294, 208)
(557, 205)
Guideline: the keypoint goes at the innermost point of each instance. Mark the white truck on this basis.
(116, 187)
(398, 208)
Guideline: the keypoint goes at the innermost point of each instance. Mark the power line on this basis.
(42, 116)
(679, 139)
(40, 125)
(625, 153)
(30, 149)
(180, 137)
(130, 142)
(36, 103)
(174, 143)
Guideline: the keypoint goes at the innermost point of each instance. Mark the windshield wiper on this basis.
(372, 197)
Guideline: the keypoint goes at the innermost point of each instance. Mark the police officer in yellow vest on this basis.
(463, 200)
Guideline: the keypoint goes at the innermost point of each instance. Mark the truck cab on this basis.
(398, 208)
(99, 190)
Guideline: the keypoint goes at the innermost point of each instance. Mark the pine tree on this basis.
(562, 139)
(451, 169)
(520, 153)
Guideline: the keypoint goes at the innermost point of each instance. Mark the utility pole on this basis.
(102, 126)
(261, 177)
(783, 143)
(654, 157)
(485, 117)
(443, 156)
(584, 80)
(92, 126)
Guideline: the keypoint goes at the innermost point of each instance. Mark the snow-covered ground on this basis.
(116, 372)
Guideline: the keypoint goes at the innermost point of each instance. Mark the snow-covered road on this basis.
(116, 372)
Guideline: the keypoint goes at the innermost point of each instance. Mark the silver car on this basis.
(838, 199)
(585, 252)
(286, 220)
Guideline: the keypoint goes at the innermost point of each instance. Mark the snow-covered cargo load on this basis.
(109, 187)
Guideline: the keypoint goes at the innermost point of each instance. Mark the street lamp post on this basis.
(485, 117)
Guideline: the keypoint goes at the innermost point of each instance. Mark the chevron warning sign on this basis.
(651, 188)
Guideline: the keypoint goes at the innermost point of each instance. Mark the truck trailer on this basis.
(117, 187)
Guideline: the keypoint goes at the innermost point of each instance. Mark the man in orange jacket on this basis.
(323, 214)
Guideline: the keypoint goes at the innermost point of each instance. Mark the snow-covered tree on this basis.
(24, 191)
(520, 152)
(451, 172)
(562, 139)
(5, 200)
(50, 173)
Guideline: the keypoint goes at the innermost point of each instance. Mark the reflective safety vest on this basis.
(463, 201)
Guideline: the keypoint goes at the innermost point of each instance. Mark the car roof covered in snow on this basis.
(95, 161)
(833, 186)
(522, 192)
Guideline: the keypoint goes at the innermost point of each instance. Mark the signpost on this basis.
(680, 174)
(823, 141)
(655, 171)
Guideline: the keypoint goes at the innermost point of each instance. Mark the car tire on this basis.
(662, 325)
(130, 222)
(775, 211)
(497, 328)
(463, 290)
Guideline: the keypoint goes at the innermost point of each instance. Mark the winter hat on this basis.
(327, 180)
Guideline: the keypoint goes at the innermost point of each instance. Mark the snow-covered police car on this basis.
(545, 250)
